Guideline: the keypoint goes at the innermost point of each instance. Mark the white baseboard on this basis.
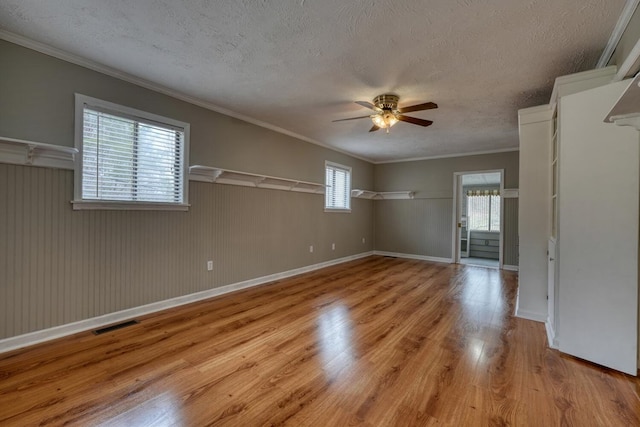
(531, 315)
(412, 256)
(551, 335)
(31, 338)
(510, 267)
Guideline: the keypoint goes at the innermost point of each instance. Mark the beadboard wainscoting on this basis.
(59, 266)
(31, 338)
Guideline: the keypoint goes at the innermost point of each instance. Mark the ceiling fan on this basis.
(388, 114)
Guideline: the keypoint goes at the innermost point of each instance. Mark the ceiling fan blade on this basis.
(415, 121)
(368, 105)
(374, 128)
(419, 107)
(351, 118)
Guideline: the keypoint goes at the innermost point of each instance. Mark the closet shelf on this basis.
(382, 195)
(23, 152)
(363, 194)
(626, 111)
(230, 177)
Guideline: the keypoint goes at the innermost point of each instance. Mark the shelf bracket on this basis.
(30, 154)
(632, 120)
(626, 111)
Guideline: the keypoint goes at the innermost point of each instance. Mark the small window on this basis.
(338, 190)
(129, 159)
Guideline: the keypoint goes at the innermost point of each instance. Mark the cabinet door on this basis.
(551, 290)
(533, 218)
(598, 231)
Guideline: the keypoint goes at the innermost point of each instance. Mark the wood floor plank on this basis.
(375, 342)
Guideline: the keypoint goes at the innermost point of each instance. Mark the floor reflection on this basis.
(480, 262)
(483, 307)
(335, 339)
(160, 411)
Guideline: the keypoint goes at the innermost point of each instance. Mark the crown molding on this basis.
(540, 113)
(112, 72)
(618, 31)
(447, 156)
(577, 82)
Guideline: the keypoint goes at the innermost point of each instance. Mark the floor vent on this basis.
(115, 327)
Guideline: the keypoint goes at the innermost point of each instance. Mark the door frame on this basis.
(457, 214)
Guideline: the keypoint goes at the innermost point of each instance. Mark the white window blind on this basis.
(338, 190)
(484, 213)
(131, 159)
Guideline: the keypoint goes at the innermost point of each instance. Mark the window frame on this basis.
(491, 202)
(79, 203)
(348, 170)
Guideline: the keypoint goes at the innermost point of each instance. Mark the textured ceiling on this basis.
(298, 65)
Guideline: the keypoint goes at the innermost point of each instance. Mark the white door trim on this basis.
(457, 193)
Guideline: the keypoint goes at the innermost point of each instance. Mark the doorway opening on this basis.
(477, 236)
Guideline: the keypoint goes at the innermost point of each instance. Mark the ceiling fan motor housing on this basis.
(387, 101)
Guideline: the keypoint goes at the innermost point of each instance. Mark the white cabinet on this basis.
(598, 231)
(536, 131)
(587, 284)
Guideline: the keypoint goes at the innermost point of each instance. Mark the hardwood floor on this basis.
(375, 342)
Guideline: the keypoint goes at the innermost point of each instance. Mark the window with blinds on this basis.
(129, 156)
(484, 213)
(338, 187)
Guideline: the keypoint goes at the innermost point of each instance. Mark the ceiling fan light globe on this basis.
(379, 121)
(384, 120)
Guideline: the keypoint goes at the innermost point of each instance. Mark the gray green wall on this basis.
(59, 266)
(423, 225)
(37, 104)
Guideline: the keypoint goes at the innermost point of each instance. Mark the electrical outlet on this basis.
(363, 240)
(333, 246)
(209, 265)
(311, 249)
